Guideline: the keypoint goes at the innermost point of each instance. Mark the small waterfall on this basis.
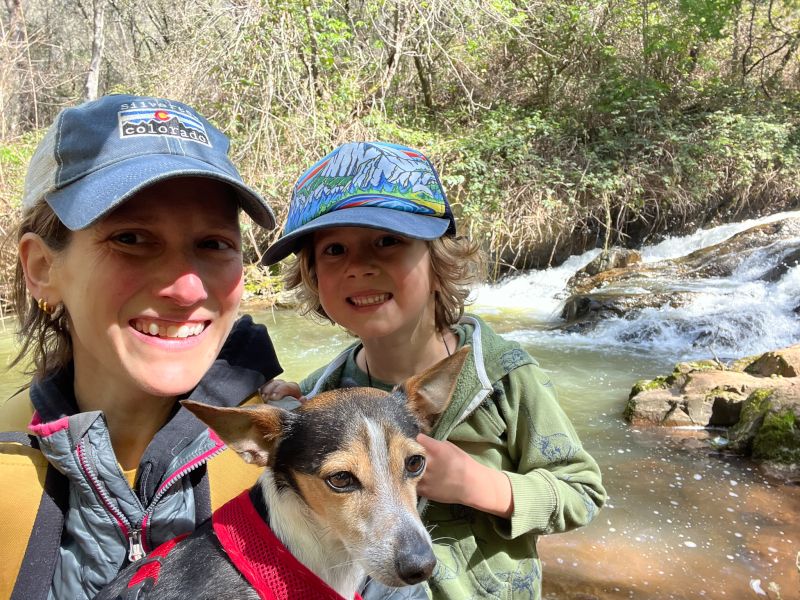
(675, 247)
(753, 310)
(538, 294)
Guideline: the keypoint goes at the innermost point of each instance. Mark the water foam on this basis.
(726, 317)
(675, 247)
(538, 294)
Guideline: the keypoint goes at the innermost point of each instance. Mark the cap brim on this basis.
(81, 203)
(407, 224)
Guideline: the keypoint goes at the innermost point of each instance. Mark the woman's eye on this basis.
(216, 244)
(333, 249)
(415, 465)
(387, 240)
(341, 481)
(128, 238)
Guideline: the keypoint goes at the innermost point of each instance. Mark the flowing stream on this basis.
(681, 521)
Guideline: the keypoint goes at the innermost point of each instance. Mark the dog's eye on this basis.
(415, 465)
(341, 481)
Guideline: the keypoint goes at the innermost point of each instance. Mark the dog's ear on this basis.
(250, 431)
(429, 392)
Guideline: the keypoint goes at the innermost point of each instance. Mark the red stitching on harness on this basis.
(146, 571)
(151, 568)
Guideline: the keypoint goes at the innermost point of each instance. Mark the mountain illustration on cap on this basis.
(362, 174)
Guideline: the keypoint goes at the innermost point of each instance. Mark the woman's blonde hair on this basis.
(43, 337)
(457, 264)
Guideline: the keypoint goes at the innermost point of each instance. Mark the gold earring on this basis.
(45, 307)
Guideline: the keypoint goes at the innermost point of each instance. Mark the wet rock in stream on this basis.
(754, 401)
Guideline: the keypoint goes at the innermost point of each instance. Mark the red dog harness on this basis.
(253, 548)
(146, 576)
(261, 557)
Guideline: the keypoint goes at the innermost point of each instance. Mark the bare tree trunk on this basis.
(313, 66)
(98, 44)
(424, 82)
(402, 20)
(750, 36)
(13, 70)
(645, 26)
(736, 40)
(14, 10)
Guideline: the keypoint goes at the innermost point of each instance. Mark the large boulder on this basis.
(614, 260)
(785, 363)
(769, 427)
(757, 400)
(694, 394)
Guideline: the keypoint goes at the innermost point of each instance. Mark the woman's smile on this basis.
(160, 329)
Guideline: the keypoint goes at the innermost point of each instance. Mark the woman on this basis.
(127, 290)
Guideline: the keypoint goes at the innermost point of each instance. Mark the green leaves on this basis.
(544, 117)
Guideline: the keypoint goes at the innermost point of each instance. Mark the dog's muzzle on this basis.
(414, 560)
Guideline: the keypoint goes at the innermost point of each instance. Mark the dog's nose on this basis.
(415, 560)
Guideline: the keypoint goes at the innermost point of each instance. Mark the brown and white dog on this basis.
(338, 491)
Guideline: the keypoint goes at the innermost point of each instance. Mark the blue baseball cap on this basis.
(97, 155)
(366, 184)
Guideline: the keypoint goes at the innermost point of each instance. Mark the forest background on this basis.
(557, 126)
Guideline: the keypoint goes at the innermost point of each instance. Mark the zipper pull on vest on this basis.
(135, 549)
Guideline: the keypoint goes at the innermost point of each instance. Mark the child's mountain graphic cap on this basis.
(366, 184)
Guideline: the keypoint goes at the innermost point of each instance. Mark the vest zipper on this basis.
(135, 536)
(122, 521)
(184, 470)
(135, 548)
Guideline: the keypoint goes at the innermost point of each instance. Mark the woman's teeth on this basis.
(169, 331)
(369, 300)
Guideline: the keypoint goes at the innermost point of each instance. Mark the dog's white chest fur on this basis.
(309, 541)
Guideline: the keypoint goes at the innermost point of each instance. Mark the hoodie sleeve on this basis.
(556, 484)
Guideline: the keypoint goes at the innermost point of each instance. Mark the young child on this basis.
(377, 253)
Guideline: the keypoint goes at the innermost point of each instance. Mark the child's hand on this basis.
(453, 477)
(445, 471)
(276, 389)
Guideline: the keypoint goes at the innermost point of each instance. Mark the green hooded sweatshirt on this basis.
(504, 414)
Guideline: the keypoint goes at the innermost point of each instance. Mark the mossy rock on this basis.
(778, 438)
(644, 385)
(754, 409)
(767, 430)
(697, 365)
(726, 393)
(630, 408)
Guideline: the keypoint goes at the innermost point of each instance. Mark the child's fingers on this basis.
(276, 389)
(266, 390)
(445, 474)
(436, 449)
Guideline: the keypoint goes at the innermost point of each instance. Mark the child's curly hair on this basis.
(457, 264)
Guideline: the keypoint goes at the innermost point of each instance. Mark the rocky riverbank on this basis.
(618, 282)
(750, 407)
